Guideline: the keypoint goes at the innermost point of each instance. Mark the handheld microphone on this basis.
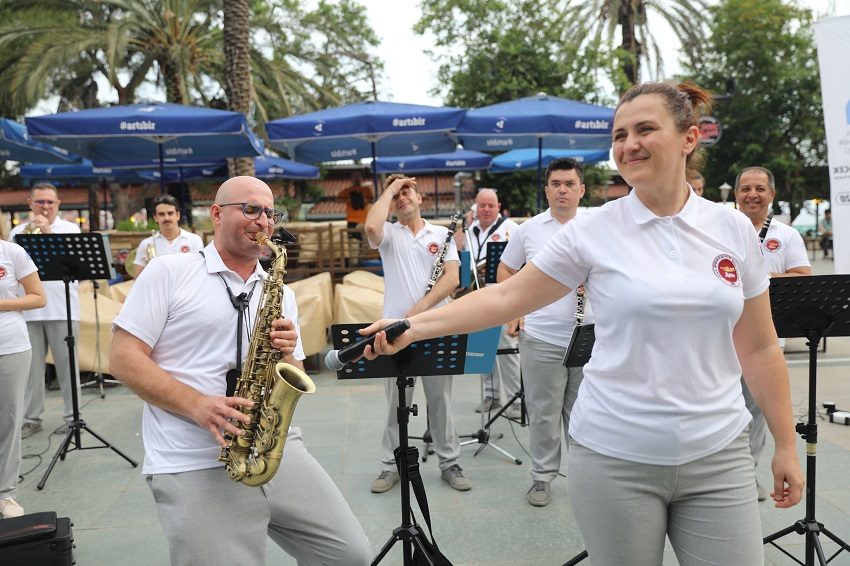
(337, 359)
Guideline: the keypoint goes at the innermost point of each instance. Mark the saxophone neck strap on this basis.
(240, 302)
(477, 230)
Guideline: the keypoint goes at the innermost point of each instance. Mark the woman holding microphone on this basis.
(658, 433)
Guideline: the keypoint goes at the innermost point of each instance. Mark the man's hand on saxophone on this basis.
(284, 336)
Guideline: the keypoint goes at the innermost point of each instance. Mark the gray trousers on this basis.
(758, 430)
(51, 333)
(707, 508)
(505, 376)
(13, 380)
(210, 519)
(550, 391)
(438, 396)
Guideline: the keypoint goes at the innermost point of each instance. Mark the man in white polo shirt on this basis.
(175, 344)
(171, 238)
(48, 326)
(784, 255)
(550, 388)
(491, 226)
(408, 250)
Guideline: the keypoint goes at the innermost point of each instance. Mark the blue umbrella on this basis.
(81, 173)
(268, 167)
(535, 122)
(525, 159)
(16, 145)
(142, 135)
(459, 160)
(366, 129)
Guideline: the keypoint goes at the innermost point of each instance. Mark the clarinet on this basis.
(441, 257)
(764, 227)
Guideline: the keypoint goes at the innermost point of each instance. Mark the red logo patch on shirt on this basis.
(772, 245)
(495, 238)
(184, 249)
(2, 272)
(726, 269)
(433, 248)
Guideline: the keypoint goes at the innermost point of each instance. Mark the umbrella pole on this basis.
(375, 190)
(436, 197)
(161, 170)
(539, 174)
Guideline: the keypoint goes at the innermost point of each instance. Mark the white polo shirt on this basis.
(783, 248)
(663, 384)
(15, 264)
(184, 243)
(478, 239)
(408, 261)
(55, 309)
(185, 315)
(553, 323)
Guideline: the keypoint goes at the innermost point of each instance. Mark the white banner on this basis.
(833, 40)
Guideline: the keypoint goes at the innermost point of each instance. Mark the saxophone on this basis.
(273, 386)
(441, 257)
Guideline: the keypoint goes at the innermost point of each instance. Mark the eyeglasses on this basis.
(165, 199)
(252, 211)
(45, 202)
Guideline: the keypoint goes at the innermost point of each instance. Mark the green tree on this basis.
(775, 117)
(637, 43)
(237, 69)
(493, 51)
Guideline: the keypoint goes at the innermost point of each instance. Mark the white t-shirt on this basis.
(408, 261)
(553, 323)
(478, 239)
(663, 384)
(15, 264)
(184, 243)
(783, 248)
(185, 315)
(55, 309)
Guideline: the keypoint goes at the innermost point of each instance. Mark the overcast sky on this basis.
(410, 73)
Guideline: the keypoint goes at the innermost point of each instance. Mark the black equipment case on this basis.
(37, 538)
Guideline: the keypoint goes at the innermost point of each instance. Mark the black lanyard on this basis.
(477, 231)
(240, 302)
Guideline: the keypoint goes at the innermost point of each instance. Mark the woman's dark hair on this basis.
(685, 102)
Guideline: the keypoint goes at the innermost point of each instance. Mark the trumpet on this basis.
(31, 228)
(151, 250)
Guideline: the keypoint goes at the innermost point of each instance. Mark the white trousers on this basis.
(44, 333)
(438, 396)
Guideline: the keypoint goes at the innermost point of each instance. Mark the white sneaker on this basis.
(384, 481)
(9, 508)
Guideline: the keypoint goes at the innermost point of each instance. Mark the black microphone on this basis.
(337, 359)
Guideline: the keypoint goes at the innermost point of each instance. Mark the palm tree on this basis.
(637, 41)
(237, 69)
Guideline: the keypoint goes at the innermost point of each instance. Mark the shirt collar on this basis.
(216, 265)
(641, 214)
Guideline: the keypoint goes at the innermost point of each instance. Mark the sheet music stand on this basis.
(492, 257)
(71, 257)
(446, 355)
(812, 307)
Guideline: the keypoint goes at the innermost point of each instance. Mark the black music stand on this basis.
(71, 257)
(812, 307)
(445, 355)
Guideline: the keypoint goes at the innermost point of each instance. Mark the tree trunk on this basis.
(237, 70)
(627, 20)
(94, 207)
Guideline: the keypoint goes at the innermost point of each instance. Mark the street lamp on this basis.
(724, 192)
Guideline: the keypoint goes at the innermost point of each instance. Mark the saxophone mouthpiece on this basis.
(260, 238)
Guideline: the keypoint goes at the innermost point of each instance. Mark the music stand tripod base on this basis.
(813, 307)
(67, 258)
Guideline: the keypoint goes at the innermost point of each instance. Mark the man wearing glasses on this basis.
(491, 226)
(48, 325)
(176, 340)
(171, 238)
